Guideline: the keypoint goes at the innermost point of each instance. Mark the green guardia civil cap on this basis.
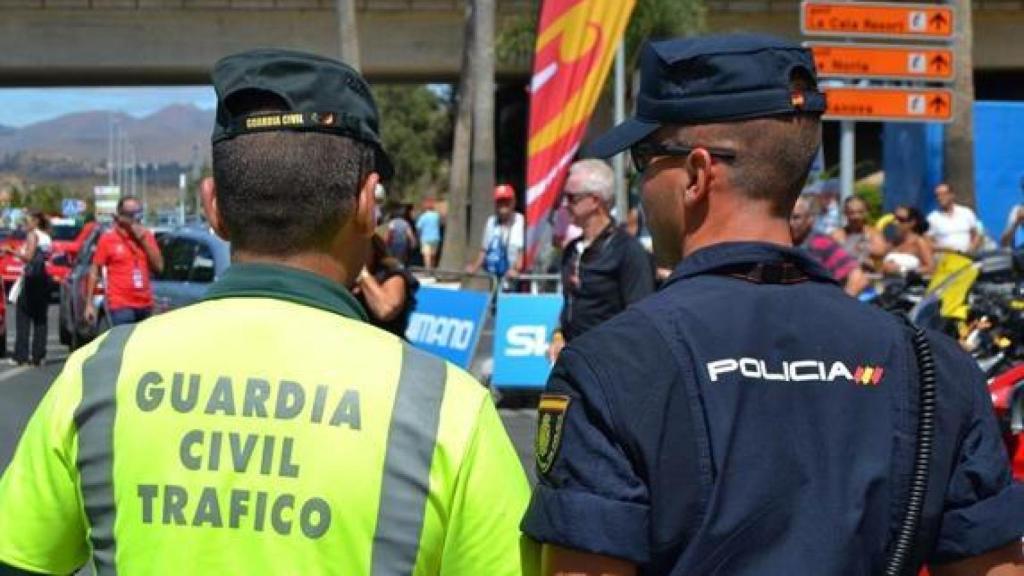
(321, 95)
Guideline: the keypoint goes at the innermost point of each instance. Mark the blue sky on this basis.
(22, 106)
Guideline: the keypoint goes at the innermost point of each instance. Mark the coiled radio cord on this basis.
(907, 533)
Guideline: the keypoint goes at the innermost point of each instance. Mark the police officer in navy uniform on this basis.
(750, 418)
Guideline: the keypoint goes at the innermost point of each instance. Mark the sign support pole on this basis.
(847, 145)
(621, 199)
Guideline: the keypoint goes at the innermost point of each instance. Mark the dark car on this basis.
(193, 259)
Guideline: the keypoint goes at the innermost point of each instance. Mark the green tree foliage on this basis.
(415, 127)
(46, 197)
(656, 19)
(17, 199)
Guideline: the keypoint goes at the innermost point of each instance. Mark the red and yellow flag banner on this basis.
(576, 42)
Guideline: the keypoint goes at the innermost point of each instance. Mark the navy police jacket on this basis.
(749, 425)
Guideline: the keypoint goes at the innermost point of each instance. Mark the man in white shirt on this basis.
(952, 226)
(501, 251)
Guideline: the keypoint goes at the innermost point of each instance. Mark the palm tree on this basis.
(482, 78)
(959, 141)
(453, 255)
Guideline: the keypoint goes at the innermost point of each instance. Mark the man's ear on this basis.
(698, 166)
(208, 191)
(366, 213)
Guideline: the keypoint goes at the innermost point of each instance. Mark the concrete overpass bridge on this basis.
(150, 42)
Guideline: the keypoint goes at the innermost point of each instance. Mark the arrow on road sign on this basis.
(876, 19)
(939, 63)
(888, 104)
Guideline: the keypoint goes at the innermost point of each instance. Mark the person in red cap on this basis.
(501, 251)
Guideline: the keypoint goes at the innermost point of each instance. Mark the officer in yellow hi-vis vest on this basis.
(268, 429)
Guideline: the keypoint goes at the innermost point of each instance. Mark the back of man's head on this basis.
(295, 139)
(282, 193)
(773, 155)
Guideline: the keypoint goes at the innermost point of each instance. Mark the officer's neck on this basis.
(318, 263)
(750, 222)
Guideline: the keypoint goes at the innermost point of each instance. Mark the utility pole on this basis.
(145, 170)
(134, 169)
(959, 141)
(847, 157)
(348, 33)
(110, 149)
(621, 192)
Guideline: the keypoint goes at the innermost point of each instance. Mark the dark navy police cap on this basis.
(321, 94)
(712, 79)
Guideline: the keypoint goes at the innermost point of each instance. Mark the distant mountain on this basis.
(168, 135)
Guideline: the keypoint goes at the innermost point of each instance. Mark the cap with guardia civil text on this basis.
(321, 95)
(710, 79)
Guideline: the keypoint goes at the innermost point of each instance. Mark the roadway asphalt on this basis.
(21, 388)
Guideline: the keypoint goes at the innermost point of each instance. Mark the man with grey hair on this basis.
(605, 269)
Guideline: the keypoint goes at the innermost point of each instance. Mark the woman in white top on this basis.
(33, 294)
(911, 251)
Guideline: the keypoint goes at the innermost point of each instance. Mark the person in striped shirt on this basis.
(824, 248)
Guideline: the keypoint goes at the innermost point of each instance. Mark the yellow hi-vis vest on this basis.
(255, 435)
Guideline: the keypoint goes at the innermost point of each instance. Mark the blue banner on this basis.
(998, 164)
(522, 334)
(448, 322)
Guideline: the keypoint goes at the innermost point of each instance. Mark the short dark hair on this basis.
(124, 200)
(773, 155)
(42, 221)
(920, 222)
(281, 193)
(855, 198)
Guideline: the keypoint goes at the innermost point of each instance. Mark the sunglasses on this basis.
(645, 152)
(573, 198)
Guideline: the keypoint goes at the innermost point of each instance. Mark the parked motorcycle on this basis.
(979, 302)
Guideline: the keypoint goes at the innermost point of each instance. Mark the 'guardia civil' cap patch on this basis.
(320, 95)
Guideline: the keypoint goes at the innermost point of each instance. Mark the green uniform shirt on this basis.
(265, 430)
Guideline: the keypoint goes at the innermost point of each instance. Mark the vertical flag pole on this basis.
(621, 200)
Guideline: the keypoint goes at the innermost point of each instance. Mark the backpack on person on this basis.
(496, 255)
(398, 239)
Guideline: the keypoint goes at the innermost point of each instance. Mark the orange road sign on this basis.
(876, 19)
(889, 104)
(878, 61)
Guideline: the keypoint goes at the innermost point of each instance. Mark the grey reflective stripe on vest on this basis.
(94, 419)
(410, 450)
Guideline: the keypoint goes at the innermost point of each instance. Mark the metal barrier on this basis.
(538, 283)
(526, 283)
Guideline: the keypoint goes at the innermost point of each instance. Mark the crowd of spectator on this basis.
(904, 242)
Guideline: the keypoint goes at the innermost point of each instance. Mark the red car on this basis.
(67, 235)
